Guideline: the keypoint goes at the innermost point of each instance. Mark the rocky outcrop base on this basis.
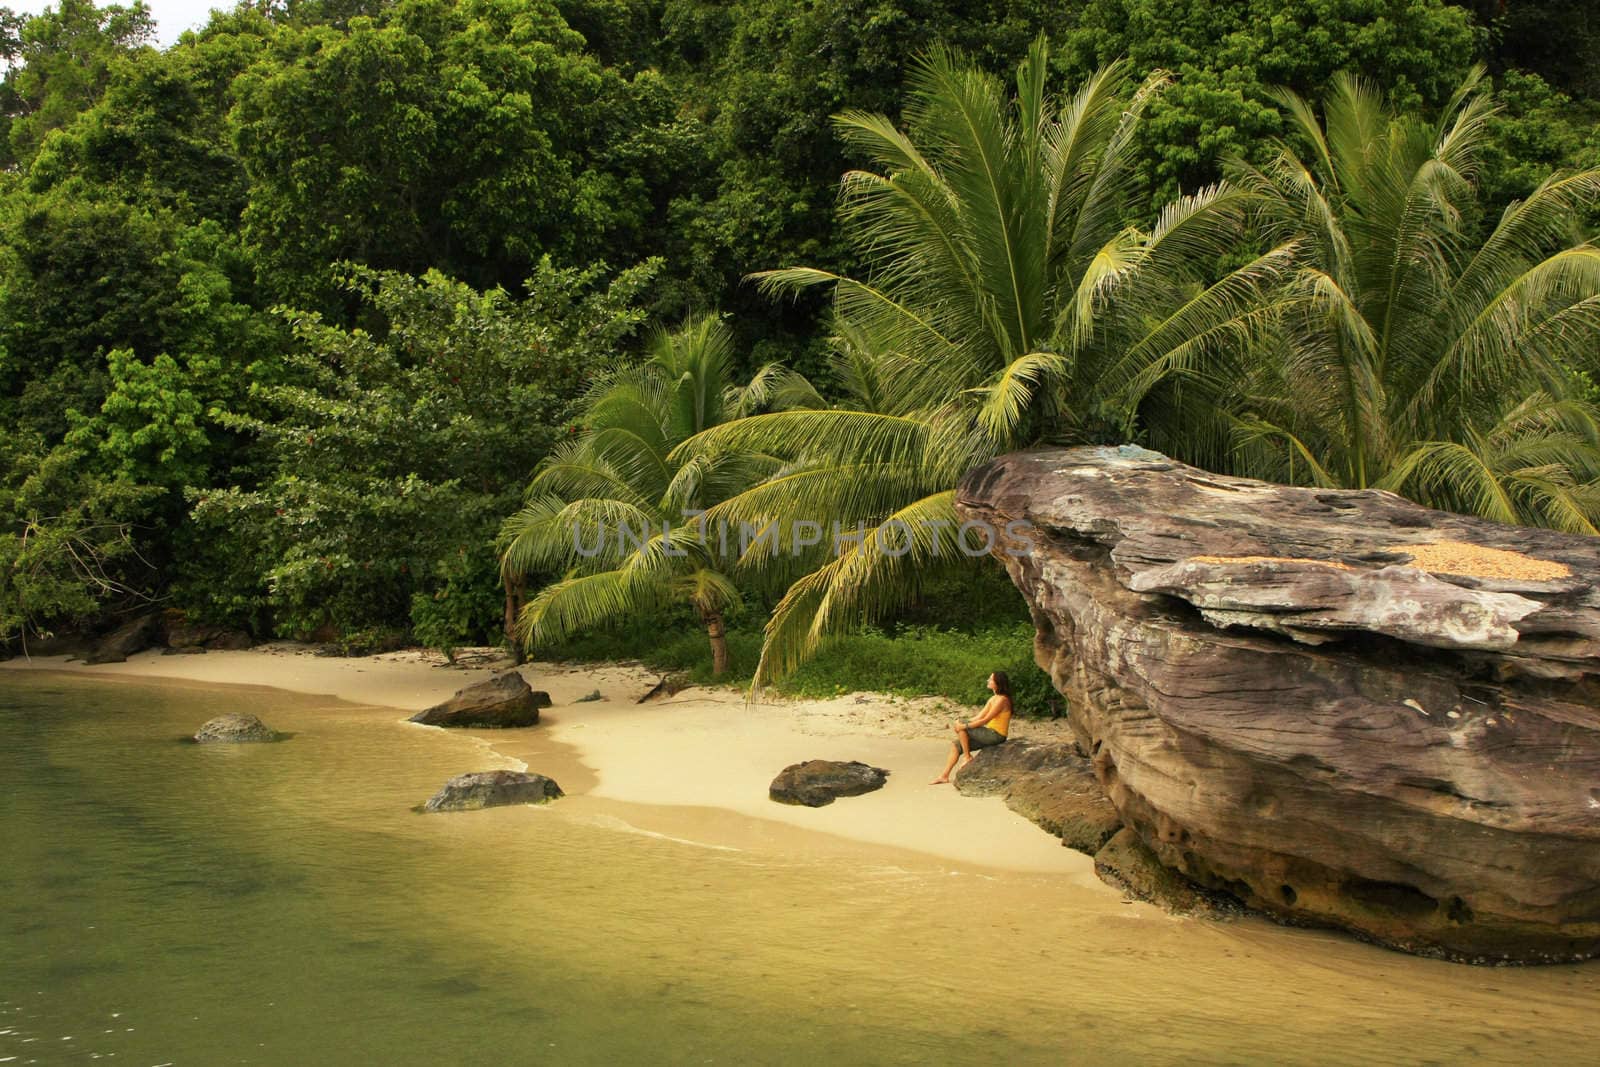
(1053, 786)
(1050, 785)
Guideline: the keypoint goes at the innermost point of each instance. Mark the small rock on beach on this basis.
(817, 782)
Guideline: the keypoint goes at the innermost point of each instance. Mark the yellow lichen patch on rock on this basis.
(1476, 561)
(1269, 559)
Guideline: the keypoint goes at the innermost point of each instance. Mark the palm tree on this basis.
(613, 509)
(1416, 355)
(1006, 299)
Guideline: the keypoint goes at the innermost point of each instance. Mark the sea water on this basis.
(163, 902)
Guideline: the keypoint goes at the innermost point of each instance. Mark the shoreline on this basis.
(694, 766)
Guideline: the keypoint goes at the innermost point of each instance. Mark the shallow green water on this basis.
(163, 902)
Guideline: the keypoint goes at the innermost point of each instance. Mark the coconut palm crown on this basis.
(1006, 300)
(1422, 350)
(613, 512)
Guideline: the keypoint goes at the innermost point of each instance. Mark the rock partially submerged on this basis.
(504, 700)
(819, 782)
(490, 789)
(1050, 785)
(235, 727)
(1338, 706)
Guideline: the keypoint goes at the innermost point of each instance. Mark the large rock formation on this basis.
(1338, 706)
(504, 700)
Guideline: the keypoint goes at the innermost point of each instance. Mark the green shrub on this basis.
(911, 661)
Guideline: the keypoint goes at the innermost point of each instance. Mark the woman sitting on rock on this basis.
(985, 731)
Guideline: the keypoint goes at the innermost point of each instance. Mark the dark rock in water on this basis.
(1050, 785)
(489, 789)
(133, 636)
(236, 728)
(504, 700)
(818, 782)
(1339, 707)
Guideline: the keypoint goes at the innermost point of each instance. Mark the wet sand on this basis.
(667, 867)
(700, 760)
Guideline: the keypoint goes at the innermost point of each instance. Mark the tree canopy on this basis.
(293, 309)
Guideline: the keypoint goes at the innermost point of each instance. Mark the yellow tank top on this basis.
(1001, 723)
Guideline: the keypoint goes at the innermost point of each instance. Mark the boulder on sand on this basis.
(490, 789)
(504, 700)
(133, 636)
(236, 727)
(818, 782)
(1337, 706)
(184, 636)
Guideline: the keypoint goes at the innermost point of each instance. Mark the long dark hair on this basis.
(1002, 684)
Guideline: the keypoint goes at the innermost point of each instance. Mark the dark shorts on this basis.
(982, 737)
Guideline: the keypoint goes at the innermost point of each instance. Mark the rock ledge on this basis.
(1338, 706)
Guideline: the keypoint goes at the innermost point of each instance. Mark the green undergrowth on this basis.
(910, 660)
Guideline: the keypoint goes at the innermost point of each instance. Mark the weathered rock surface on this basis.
(489, 789)
(133, 636)
(1125, 863)
(235, 727)
(1050, 785)
(184, 636)
(1338, 706)
(818, 782)
(504, 700)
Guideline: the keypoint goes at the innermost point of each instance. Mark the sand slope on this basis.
(693, 756)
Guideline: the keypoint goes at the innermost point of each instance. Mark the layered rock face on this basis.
(1339, 706)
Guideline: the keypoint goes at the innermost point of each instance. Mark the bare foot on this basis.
(940, 781)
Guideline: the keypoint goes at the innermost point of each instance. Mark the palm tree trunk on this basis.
(514, 591)
(719, 642)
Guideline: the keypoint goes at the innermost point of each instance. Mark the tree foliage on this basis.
(1005, 301)
(394, 454)
(1414, 355)
(157, 206)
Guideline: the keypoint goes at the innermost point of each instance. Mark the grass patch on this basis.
(909, 661)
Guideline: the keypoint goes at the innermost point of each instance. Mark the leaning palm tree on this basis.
(1416, 354)
(612, 511)
(1007, 299)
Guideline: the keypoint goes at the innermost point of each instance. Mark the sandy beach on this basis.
(694, 766)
